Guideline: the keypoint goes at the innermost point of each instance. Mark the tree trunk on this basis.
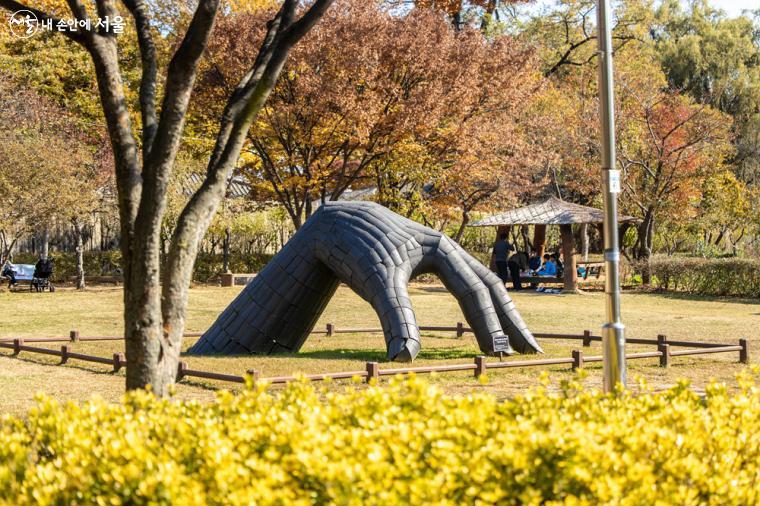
(584, 241)
(462, 225)
(80, 255)
(45, 246)
(226, 251)
(526, 238)
(7, 249)
(539, 240)
(718, 239)
(644, 250)
(456, 20)
(154, 315)
(568, 252)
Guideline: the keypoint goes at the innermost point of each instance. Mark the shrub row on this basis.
(108, 263)
(714, 276)
(406, 443)
(208, 266)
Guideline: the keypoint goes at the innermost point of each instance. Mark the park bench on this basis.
(594, 269)
(24, 274)
(236, 279)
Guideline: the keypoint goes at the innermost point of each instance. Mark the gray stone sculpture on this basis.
(374, 251)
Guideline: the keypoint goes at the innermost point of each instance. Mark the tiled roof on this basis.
(237, 186)
(350, 195)
(550, 212)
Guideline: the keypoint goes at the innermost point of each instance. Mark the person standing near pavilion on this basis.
(517, 264)
(500, 255)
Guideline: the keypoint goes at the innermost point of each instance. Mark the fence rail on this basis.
(331, 329)
(373, 371)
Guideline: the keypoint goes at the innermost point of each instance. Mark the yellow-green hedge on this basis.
(407, 443)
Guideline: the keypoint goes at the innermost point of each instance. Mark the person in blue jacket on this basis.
(549, 268)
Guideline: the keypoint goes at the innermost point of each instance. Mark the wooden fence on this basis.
(372, 370)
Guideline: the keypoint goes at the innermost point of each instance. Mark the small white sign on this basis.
(614, 180)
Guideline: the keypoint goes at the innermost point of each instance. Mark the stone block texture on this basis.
(375, 252)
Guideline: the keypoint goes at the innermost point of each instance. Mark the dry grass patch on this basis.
(98, 312)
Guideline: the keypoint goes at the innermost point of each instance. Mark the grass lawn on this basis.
(97, 311)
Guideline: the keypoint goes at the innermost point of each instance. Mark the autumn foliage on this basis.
(375, 99)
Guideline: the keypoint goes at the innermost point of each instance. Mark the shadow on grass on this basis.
(380, 356)
(359, 354)
(78, 366)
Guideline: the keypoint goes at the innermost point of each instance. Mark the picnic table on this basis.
(590, 269)
(535, 280)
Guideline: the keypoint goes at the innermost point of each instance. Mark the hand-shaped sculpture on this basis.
(375, 252)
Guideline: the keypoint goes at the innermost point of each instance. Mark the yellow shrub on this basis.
(404, 443)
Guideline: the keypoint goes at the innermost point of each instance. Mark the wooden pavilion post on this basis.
(584, 241)
(539, 239)
(568, 252)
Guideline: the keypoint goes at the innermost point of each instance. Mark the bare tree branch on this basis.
(138, 9)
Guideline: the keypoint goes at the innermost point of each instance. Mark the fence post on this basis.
(480, 366)
(17, 344)
(74, 336)
(661, 339)
(118, 361)
(586, 338)
(181, 368)
(577, 359)
(664, 349)
(254, 374)
(330, 329)
(64, 353)
(744, 352)
(460, 329)
(373, 371)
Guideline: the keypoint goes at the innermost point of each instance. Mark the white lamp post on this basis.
(613, 331)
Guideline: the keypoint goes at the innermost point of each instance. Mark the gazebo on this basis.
(552, 211)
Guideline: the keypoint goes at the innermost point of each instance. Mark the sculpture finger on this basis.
(402, 335)
(277, 310)
(473, 295)
(514, 326)
(371, 258)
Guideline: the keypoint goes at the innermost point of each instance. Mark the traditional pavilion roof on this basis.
(549, 212)
(237, 186)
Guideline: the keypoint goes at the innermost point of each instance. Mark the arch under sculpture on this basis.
(376, 252)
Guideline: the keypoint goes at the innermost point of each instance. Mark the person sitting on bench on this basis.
(549, 269)
(534, 262)
(9, 273)
(560, 267)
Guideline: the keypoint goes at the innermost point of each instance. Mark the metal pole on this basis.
(613, 331)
